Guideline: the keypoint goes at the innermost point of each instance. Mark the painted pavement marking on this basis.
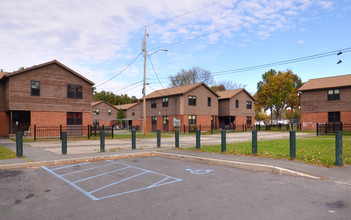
(164, 181)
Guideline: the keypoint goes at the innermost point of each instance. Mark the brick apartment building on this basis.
(132, 114)
(103, 113)
(49, 94)
(193, 104)
(325, 100)
(236, 107)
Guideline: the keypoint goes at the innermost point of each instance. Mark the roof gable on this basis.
(93, 104)
(126, 106)
(46, 64)
(327, 82)
(181, 90)
(232, 93)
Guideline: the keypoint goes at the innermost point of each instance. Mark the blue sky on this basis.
(98, 39)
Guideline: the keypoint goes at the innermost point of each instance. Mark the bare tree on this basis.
(191, 76)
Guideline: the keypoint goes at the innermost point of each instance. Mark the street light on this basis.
(144, 84)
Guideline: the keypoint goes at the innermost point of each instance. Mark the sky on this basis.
(236, 40)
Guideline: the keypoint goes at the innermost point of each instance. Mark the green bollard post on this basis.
(19, 144)
(338, 149)
(254, 142)
(64, 142)
(223, 140)
(198, 135)
(177, 138)
(102, 141)
(158, 138)
(133, 140)
(292, 144)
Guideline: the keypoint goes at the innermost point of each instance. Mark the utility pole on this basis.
(144, 89)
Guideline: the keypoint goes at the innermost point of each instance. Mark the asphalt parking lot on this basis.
(158, 188)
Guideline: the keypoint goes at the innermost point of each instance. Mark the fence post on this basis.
(95, 130)
(317, 128)
(158, 138)
(200, 127)
(189, 128)
(35, 132)
(223, 140)
(254, 142)
(340, 126)
(60, 132)
(64, 142)
(133, 139)
(292, 144)
(176, 138)
(338, 149)
(211, 126)
(112, 131)
(102, 141)
(19, 144)
(88, 132)
(198, 134)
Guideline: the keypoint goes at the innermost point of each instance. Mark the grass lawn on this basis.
(312, 151)
(6, 153)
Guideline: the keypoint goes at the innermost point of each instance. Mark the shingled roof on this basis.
(126, 106)
(46, 64)
(99, 102)
(327, 82)
(231, 93)
(181, 90)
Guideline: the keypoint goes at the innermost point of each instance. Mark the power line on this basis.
(229, 27)
(155, 72)
(120, 71)
(294, 60)
(125, 88)
(186, 13)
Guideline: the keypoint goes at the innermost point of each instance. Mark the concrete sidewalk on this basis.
(37, 156)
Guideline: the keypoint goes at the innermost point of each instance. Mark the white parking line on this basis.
(166, 180)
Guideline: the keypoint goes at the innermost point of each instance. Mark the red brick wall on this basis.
(5, 124)
(345, 117)
(309, 120)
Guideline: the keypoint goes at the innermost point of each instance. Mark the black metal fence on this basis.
(55, 132)
(332, 128)
(278, 127)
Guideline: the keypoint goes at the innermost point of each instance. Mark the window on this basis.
(333, 94)
(192, 100)
(75, 91)
(333, 117)
(96, 122)
(248, 120)
(153, 103)
(74, 118)
(165, 102)
(109, 112)
(96, 111)
(236, 103)
(248, 105)
(34, 88)
(165, 120)
(133, 112)
(154, 120)
(208, 101)
(192, 119)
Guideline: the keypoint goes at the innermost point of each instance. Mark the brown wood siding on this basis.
(223, 107)
(135, 108)
(103, 112)
(317, 101)
(201, 108)
(242, 110)
(53, 91)
(2, 96)
(159, 110)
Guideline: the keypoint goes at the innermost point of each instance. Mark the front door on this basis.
(74, 124)
(165, 123)
(154, 123)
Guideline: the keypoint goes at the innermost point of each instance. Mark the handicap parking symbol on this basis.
(199, 171)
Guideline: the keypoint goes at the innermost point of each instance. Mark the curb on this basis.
(75, 160)
(235, 164)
